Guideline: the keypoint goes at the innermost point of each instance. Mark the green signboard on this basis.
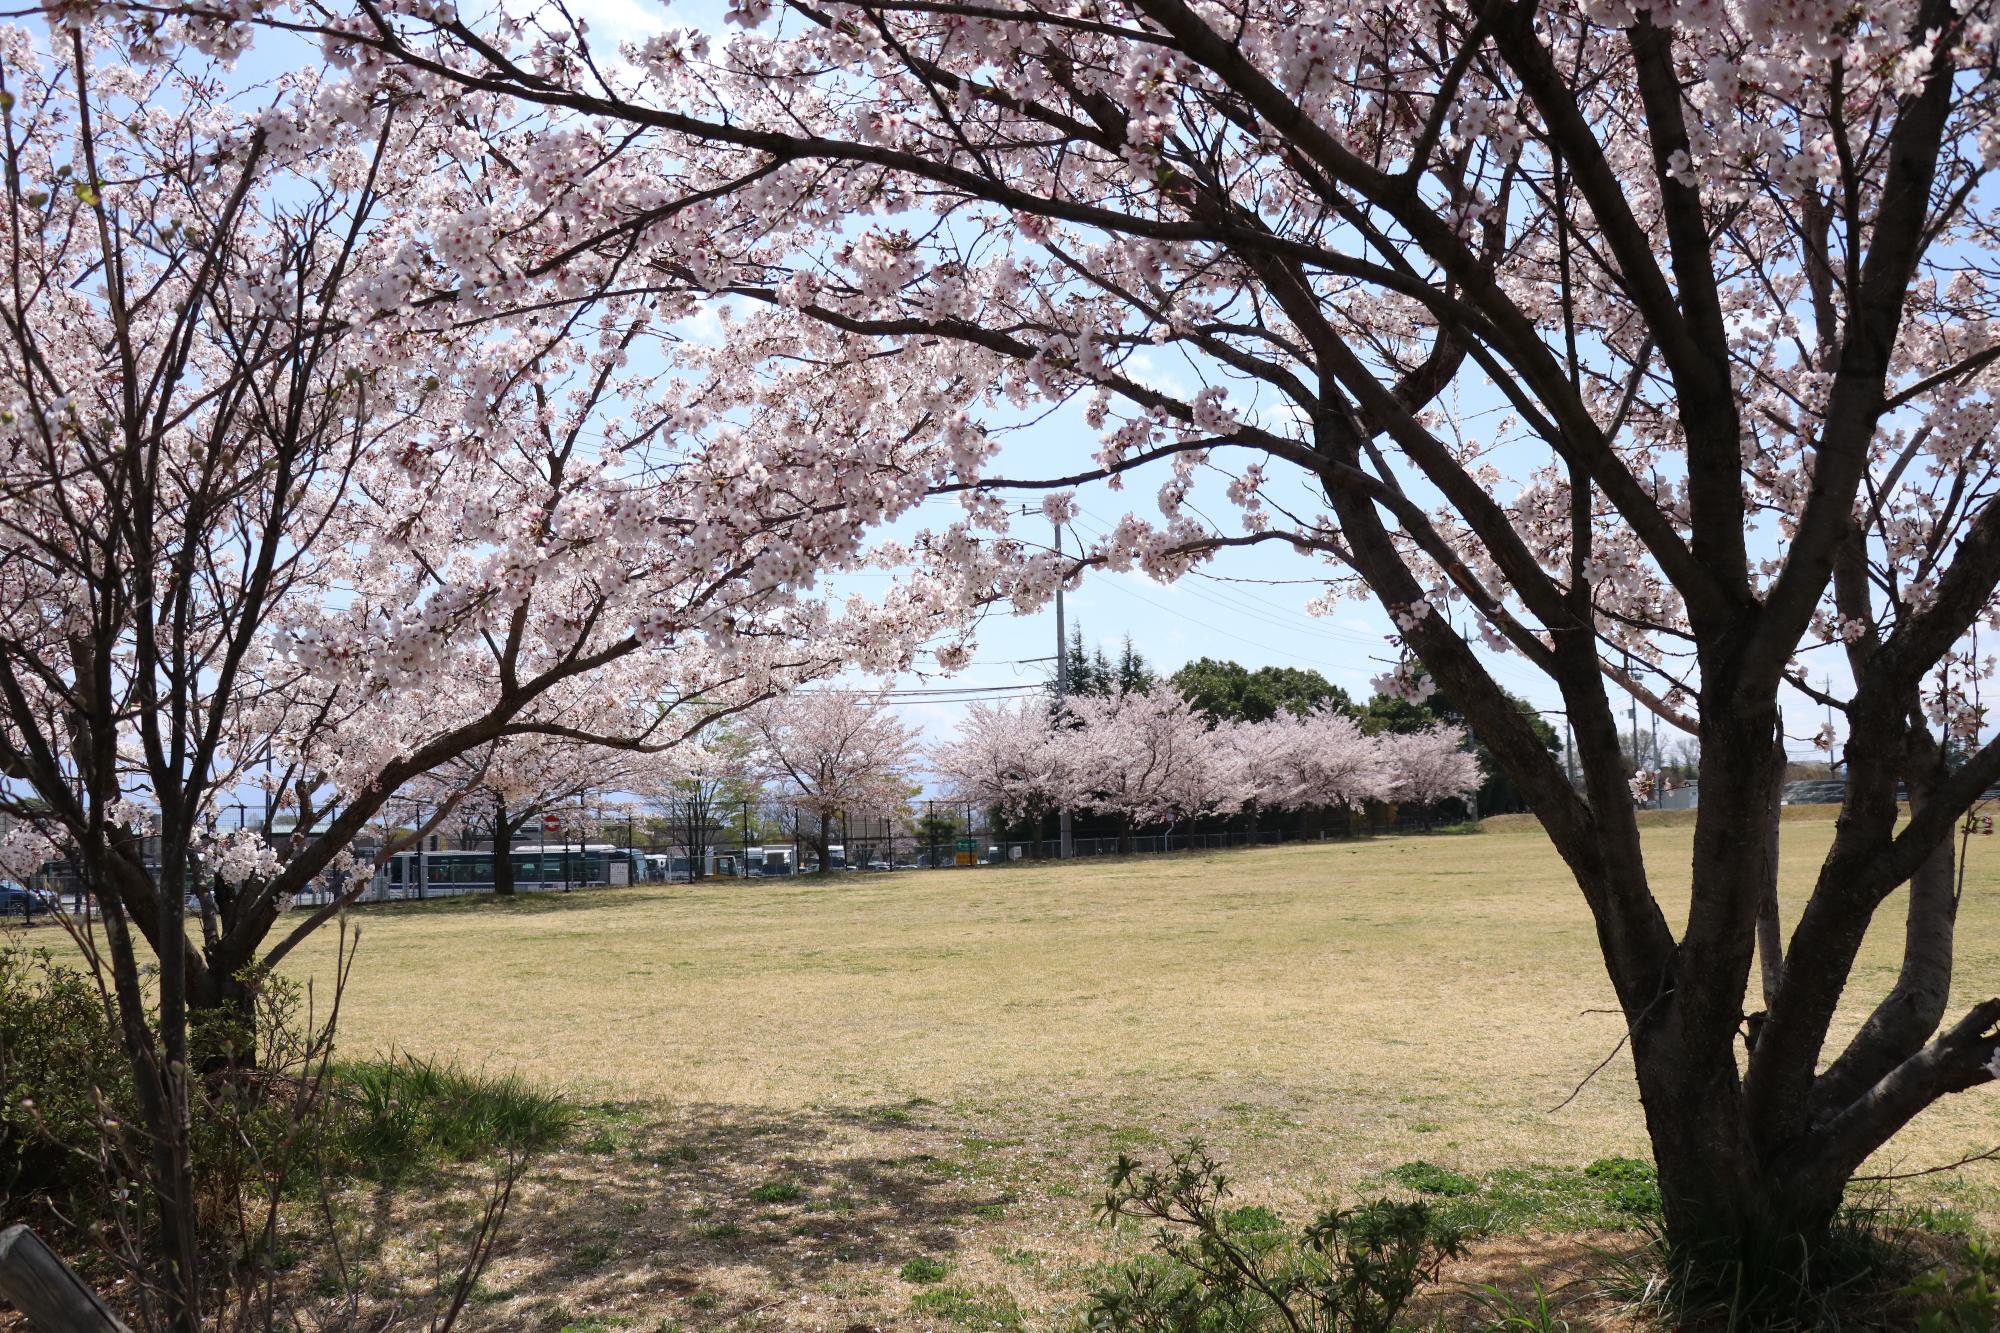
(966, 845)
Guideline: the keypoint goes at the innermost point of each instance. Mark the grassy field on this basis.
(1365, 987)
(800, 1087)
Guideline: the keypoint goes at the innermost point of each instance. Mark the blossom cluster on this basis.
(1150, 757)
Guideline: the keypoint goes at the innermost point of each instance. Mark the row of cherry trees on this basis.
(1149, 757)
(1141, 757)
(818, 753)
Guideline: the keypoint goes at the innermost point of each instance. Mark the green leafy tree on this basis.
(1231, 692)
(936, 829)
(1093, 674)
(1135, 674)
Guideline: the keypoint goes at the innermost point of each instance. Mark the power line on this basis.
(1499, 666)
(1130, 591)
(1126, 588)
(916, 690)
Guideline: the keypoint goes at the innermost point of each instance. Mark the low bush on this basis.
(1217, 1270)
(1967, 1303)
(273, 1122)
(62, 1073)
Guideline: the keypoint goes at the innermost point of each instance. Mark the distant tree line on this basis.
(1228, 691)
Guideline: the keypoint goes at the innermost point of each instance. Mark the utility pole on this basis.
(423, 875)
(1635, 713)
(1063, 843)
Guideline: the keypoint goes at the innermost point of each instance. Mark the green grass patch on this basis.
(924, 1270)
(592, 1254)
(602, 1323)
(975, 1309)
(1610, 1194)
(1429, 1178)
(777, 1191)
(1631, 1186)
(402, 1113)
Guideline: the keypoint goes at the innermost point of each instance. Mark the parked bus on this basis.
(774, 860)
(426, 874)
(677, 866)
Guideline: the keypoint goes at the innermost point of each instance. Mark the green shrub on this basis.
(1969, 1303)
(58, 1053)
(1240, 1270)
(924, 1270)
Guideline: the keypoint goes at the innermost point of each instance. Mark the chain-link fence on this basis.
(754, 841)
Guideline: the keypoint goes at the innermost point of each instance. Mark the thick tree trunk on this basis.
(503, 852)
(1733, 1219)
(823, 843)
(1737, 1211)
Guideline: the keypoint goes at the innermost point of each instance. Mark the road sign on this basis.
(552, 823)
(966, 845)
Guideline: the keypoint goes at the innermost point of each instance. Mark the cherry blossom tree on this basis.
(1008, 757)
(1650, 344)
(832, 752)
(1320, 759)
(310, 483)
(1432, 765)
(1148, 757)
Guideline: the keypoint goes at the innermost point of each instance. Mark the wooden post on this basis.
(42, 1287)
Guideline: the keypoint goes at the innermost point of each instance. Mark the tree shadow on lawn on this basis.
(705, 1216)
(539, 902)
(531, 902)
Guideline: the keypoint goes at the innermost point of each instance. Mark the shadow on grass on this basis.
(712, 1213)
(534, 902)
(538, 902)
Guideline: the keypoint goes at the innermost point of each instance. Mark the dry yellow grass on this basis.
(1389, 996)
(942, 1063)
